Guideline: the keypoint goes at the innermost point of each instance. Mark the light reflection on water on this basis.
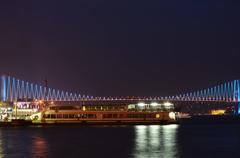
(178, 141)
(20, 142)
(1, 146)
(39, 146)
(155, 141)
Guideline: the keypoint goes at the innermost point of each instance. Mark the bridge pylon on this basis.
(236, 95)
(3, 90)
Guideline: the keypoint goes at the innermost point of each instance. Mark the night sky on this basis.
(121, 48)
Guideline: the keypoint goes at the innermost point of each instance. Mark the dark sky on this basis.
(121, 48)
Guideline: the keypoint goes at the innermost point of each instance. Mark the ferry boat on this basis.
(107, 114)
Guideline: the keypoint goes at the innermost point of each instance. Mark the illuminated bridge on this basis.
(13, 89)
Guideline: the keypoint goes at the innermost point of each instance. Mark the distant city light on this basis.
(154, 104)
(167, 104)
(141, 104)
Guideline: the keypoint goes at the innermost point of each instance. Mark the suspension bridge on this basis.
(13, 89)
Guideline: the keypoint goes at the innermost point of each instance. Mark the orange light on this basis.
(218, 112)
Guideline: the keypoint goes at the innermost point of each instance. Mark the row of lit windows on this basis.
(70, 116)
(66, 116)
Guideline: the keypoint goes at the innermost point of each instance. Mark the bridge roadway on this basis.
(147, 101)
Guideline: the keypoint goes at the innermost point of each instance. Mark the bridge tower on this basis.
(3, 88)
(236, 96)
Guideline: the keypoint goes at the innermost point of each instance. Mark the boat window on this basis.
(148, 116)
(71, 115)
(46, 116)
(77, 115)
(84, 115)
(92, 116)
(53, 116)
(65, 115)
(59, 116)
(136, 116)
(142, 116)
(130, 115)
(109, 116)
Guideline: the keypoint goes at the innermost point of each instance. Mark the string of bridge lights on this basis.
(229, 91)
(13, 89)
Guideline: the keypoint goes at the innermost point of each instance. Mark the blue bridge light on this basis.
(13, 89)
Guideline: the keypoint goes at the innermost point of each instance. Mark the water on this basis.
(155, 141)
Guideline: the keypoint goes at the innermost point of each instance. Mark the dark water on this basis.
(185, 141)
